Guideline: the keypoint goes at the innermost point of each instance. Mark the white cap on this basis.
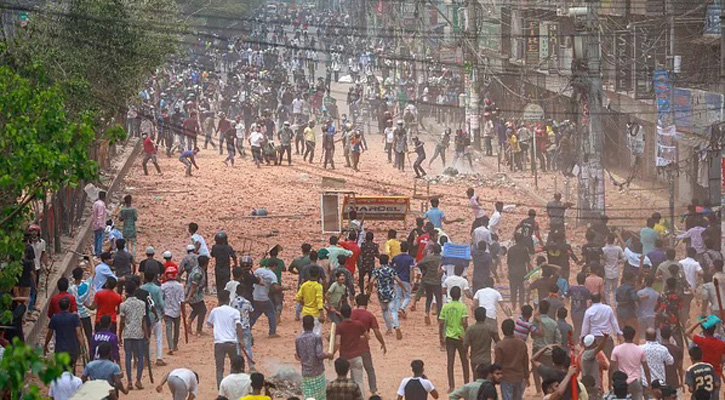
(150, 250)
(190, 247)
(167, 254)
(588, 340)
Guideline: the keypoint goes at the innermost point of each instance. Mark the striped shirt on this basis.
(523, 328)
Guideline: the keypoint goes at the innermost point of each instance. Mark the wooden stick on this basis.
(333, 332)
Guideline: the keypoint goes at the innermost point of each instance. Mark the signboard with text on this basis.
(378, 208)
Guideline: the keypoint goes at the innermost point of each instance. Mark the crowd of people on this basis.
(612, 319)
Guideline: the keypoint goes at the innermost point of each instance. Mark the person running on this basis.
(155, 318)
(442, 147)
(420, 151)
(227, 325)
(310, 353)
(262, 303)
(150, 149)
(106, 302)
(133, 331)
(513, 356)
(256, 141)
(66, 327)
(285, 136)
(702, 378)
(310, 139)
(453, 322)
(479, 337)
(368, 320)
(188, 158)
(386, 278)
(104, 335)
(172, 292)
(349, 339)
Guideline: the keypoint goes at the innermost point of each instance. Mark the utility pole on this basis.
(472, 107)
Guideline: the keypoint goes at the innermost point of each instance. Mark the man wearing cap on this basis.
(155, 317)
(172, 293)
(150, 264)
(285, 136)
(590, 364)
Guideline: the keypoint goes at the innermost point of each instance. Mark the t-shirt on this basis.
(189, 378)
(647, 302)
(351, 339)
(101, 336)
(235, 386)
(367, 319)
(455, 281)
(224, 319)
(336, 293)
(64, 324)
(517, 258)
(122, 262)
(65, 387)
(435, 215)
(590, 366)
(81, 293)
(102, 370)
(54, 307)
(629, 358)
(133, 311)
(148, 146)
(421, 242)
(107, 302)
(267, 278)
(203, 249)
(223, 254)
(275, 265)
(351, 262)
(488, 298)
(579, 296)
(402, 263)
(152, 266)
(415, 388)
(648, 236)
(701, 376)
(255, 397)
(392, 248)
(451, 314)
(129, 215)
(712, 349)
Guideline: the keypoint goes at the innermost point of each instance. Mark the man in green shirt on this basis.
(275, 265)
(452, 324)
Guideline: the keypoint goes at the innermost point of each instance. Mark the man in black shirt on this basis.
(519, 262)
(151, 264)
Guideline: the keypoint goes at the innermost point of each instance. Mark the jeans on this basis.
(88, 331)
(172, 331)
(231, 151)
(98, 241)
(610, 288)
(419, 171)
(390, 313)
(288, 149)
(309, 151)
(178, 388)
(517, 290)
(356, 373)
(404, 294)
(198, 310)
(247, 342)
(453, 346)
(266, 308)
(367, 359)
(221, 351)
(134, 349)
(257, 155)
(432, 291)
(512, 391)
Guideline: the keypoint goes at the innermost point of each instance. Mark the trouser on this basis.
(88, 330)
(362, 273)
(402, 295)
(257, 155)
(134, 348)
(209, 139)
(34, 290)
(197, 310)
(439, 151)
(191, 142)
(419, 171)
(390, 313)
(685, 310)
(577, 318)
(512, 390)
(158, 331)
(221, 351)
(356, 373)
(221, 143)
(131, 245)
(188, 165)
(389, 150)
(178, 388)
(329, 157)
(172, 331)
(488, 145)
(608, 347)
(453, 346)
(432, 291)
(367, 359)
(152, 158)
(516, 287)
(299, 144)
(266, 308)
(231, 151)
(635, 389)
(221, 281)
(98, 241)
(288, 149)
(355, 156)
(240, 147)
(400, 160)
(169, 139)
(310, 150)
(610, 288)
(247, 343)
(346, 154)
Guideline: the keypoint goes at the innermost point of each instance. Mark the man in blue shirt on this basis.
(188, 158)
(436, 216)
(403, 264)
(103, 271)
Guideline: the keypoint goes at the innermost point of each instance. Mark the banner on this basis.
(663, 95)
(531, 50)
(377, 208)
(666, 146)
(682, 99)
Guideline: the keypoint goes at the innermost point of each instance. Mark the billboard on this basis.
(377, 208)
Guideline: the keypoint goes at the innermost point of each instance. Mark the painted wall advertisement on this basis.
(378, 208)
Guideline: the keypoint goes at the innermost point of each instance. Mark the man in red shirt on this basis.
(351, 340)
(713, 349)
(368, 320)
(191, 129)
(107, 302)
(422, 241)
(54, 307)
(351, 244)
(149, 153)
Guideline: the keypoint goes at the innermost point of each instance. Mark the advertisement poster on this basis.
(666, 146)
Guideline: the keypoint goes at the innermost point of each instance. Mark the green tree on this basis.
(20, 358)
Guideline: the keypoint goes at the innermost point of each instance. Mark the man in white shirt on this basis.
(488, 298)
(457, 280)
(198, 241)
(65, 387)
(255, 142)
(476, 208)
(183, 383)
(482, 233)
(227, 325)
(656, 355)
(599, 319)
(495, 219)
(237, 384)
(693, 270)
